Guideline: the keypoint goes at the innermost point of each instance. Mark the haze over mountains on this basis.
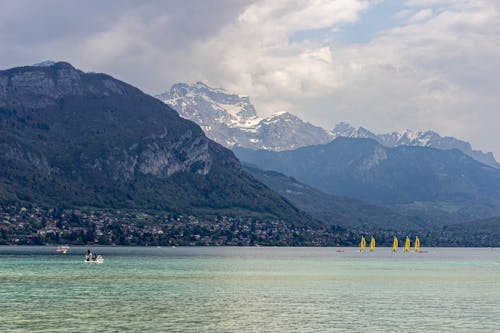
(332, 209)
(366, 170)
(231, 120)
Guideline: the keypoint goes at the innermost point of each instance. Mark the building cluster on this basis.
(35, 225)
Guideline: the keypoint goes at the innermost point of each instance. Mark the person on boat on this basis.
(94, 257)
(87, 255)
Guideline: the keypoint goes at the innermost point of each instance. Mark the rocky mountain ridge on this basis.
(415, 139)
(231, 120)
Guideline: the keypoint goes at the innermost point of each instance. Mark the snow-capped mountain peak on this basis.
(230, 119)
(203, 104)
(411, 138)
(347, 131)
(46, 63)
(282, 116)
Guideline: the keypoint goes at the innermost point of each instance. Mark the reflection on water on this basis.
(249, 290)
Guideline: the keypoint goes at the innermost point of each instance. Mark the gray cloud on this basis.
(138, 41)
(436, 70)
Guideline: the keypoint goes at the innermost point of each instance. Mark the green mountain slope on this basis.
(84, 139)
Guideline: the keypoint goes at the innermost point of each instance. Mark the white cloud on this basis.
(439, 72)
(254, 55)
(436, 70)
(421, 15)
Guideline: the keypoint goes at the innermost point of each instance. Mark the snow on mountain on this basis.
(207, 105)
(347, 131)
(46, 63)
(420, 139)
(231, 120)
(285, 131)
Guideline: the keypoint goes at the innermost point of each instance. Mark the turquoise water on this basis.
(249, 290)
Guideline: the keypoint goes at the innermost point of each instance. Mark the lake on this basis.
(257, 289)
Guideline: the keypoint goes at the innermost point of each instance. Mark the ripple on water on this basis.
(251, 290)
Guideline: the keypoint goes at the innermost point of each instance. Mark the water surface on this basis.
(249, 290)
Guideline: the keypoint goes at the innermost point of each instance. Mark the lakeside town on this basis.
(47, 226)
(38, 226)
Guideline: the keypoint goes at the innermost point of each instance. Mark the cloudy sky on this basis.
(385, 65)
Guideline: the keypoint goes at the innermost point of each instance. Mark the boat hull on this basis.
(98, 261)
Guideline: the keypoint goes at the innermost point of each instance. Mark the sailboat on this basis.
(395, 244)
(407, 244)
(362, 245)
(372, 244)
(417, 244)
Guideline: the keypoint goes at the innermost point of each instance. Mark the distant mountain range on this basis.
(412, 178)
(88, 140)
(415, 139)
(231, 120)
(332, 209)
(427, 180)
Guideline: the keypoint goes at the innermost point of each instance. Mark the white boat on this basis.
(99, 260)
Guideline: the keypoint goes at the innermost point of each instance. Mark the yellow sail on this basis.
(407, 244)
(363, 244)
(372, 244)
(417, 244)
(395, 244)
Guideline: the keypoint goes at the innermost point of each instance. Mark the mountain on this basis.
(344, 130)
(88, 140)
(437, 228)
(417, 139)
(46, 63)
(332, 209)
(417, 178)
(231, 119)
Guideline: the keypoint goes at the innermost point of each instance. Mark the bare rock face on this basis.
(164, 161)
(41, 86)
(231, 120)
(42, 96)
(373, 160)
